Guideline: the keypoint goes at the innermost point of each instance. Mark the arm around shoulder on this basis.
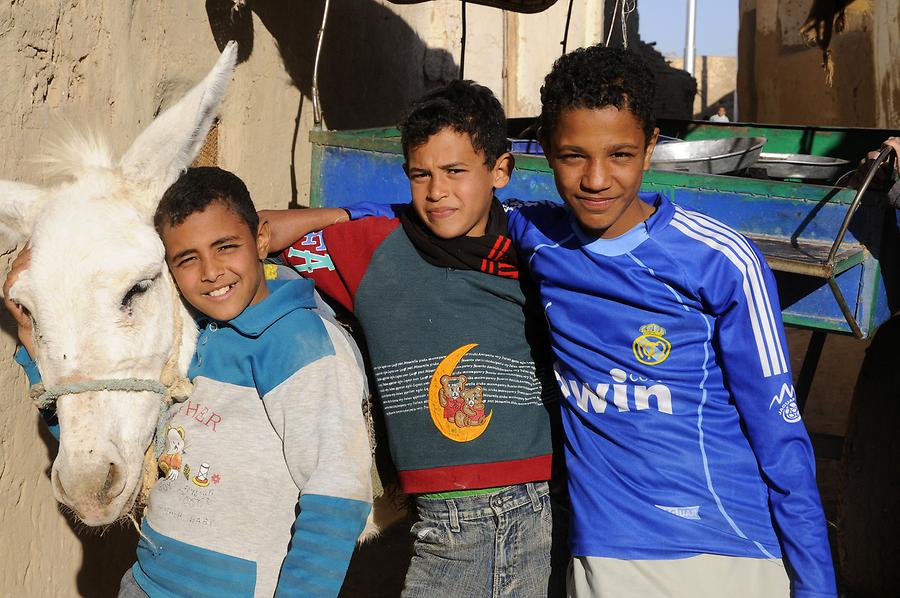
(286, 226)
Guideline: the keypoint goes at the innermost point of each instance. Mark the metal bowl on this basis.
(802, 166)
(708, 156)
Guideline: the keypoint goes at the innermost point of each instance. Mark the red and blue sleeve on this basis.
(337, 258)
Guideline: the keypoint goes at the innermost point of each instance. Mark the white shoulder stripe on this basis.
(766, 346)
(713, 226)
(718, 231)
(540, 246)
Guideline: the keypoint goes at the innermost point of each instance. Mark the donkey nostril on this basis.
(64, 355)
(112, 486)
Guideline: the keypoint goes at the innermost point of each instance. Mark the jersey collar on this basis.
(631, 239)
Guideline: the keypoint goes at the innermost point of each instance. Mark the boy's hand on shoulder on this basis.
(19, 313)
(287, 226)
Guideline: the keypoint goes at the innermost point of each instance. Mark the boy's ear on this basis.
(502, 170)
(651, 145)
(263, 235)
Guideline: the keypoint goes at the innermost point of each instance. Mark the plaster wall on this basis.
(534, 43)
(112, 65)
(781, 79)
(887, 59)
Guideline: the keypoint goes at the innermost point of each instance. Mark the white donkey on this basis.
(111, 334)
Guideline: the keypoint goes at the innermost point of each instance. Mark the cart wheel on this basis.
(869, 510)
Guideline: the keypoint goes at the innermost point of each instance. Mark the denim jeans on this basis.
(500, 545)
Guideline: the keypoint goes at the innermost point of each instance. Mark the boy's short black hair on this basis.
(463, 106)
(597, 77)
(196, 189)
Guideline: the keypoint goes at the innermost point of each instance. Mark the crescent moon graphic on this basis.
(447, 428)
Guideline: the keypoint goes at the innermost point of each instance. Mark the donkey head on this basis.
(103, 303)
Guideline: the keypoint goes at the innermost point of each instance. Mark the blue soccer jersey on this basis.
(682, 430)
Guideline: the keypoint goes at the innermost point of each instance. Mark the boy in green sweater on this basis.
(458, 350)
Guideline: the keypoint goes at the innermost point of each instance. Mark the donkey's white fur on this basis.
(92, 242)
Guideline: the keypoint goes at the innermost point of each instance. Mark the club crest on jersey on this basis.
(651, 347)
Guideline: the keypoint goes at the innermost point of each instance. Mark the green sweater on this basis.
(463, 375)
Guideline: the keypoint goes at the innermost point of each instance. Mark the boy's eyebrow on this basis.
(182, 254)
(619, 146)
(222, 240)
(440, 166)
(614, 147)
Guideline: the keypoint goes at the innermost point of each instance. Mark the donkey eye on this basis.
(138, 289)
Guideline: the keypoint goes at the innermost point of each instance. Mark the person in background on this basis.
(721, 115)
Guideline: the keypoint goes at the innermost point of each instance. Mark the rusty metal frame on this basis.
(883, 155)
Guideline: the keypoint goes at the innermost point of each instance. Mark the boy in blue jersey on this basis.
(690, 472)
(275, 418)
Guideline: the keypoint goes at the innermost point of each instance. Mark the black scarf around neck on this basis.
(492, 254)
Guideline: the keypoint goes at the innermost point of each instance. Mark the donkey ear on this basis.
(18, 203)
(175, 137)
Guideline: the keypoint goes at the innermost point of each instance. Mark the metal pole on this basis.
(689, 36)
(317, 104)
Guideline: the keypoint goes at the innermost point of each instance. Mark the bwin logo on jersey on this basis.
(651, 348)
(787, 404)
(589, 399)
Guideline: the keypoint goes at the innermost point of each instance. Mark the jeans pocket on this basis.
(429, 533)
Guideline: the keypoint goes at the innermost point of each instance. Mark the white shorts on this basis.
(701, 576)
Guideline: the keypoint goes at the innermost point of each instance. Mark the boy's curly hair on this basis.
(196, 189)
(463, 106)
(597, 77)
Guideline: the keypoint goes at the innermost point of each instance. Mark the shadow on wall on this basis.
(373, 64)
(797, 90)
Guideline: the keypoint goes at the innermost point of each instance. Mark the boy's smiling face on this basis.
(451, 185)
(598, 157)
(215, 260)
